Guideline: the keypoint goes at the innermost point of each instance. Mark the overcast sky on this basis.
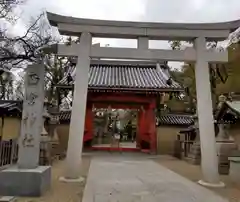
(144, 10)
(136, 10)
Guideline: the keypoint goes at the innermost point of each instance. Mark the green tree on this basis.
(219, 76)
(233, 71)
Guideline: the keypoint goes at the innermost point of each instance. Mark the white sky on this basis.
(135, 10)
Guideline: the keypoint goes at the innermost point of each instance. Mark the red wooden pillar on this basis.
(140, 128)
(152, 127)
(88, 133)
(148, 126)
(143, 127)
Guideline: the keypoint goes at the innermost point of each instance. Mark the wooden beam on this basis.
(117, 105)
(120, 98)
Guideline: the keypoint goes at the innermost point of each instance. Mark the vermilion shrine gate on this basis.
(122, 86)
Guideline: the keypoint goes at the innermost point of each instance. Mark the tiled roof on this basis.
(65, 115)
(170, 119)
(235, 106)
(125, 77)
(175, 119)
(9, 105)
(229, 112)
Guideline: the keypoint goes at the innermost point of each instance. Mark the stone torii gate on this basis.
(143, 32)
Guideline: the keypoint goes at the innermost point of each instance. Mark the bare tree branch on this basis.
(6, 8)
(21, 49)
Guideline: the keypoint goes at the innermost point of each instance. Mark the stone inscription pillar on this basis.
(32, 121)
(76, 131)
(205, 118)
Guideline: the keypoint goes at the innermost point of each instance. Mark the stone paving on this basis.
(130, 179)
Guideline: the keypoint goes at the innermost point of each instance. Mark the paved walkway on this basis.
(131, 179)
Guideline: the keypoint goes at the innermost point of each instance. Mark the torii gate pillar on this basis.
(209, 162)
(76, 131)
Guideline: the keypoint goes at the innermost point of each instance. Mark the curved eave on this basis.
(126, 90)
(56, 19)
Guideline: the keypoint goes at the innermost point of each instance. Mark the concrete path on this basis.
(131, 179)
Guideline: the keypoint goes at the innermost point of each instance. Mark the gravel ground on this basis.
(60, 191)
(193, 172)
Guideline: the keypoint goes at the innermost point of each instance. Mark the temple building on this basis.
(125, 86)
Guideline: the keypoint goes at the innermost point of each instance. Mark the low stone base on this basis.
(234, 169)
(78, 180)
(224, 149)
(25, 182)
(213, 185)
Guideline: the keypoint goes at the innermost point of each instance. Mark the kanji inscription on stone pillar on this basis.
(32, 121)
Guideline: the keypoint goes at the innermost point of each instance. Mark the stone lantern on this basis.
(225, 144)
(45, 141)
(194, 156)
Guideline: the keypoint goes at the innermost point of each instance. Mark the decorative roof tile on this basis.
(175, 119)
(125, 77)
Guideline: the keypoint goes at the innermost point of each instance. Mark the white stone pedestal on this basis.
(27, 178)
(25, 182)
